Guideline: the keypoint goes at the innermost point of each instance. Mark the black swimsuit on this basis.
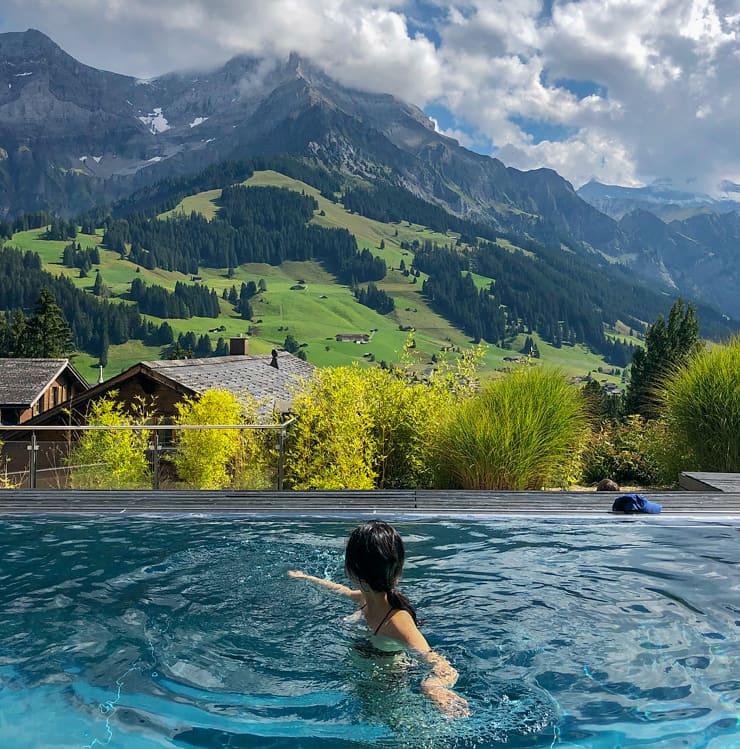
(365, 646)
(384, 620)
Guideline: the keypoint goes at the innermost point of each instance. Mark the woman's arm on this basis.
(355, 595)
(436, 685)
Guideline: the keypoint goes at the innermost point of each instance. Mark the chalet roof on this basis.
(24, 381)
(250, 374)
(244, 374)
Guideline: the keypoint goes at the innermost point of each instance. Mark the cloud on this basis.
(662, 72)
(659, 75)
(357, 41)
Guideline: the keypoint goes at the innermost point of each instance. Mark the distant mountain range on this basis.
(660, 198)
(72, 137)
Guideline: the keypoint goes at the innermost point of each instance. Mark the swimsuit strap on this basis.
(385, 619)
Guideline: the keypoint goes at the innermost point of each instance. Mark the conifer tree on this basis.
(98, 285)
(222, 348)
(48, 333)
(668, 344)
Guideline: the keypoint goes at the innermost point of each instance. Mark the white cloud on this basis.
(667, 67)
(579, 159)
(666, 102)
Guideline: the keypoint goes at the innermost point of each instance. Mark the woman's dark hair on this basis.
(375, 556)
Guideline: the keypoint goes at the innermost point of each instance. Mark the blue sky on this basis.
(626, 91)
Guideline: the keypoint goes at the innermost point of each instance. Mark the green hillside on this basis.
(315, 314)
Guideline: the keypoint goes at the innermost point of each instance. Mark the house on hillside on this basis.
(352, 337)
(31, 387)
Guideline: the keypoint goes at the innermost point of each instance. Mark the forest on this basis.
(254, 225)
(95, 323)
(566, 297)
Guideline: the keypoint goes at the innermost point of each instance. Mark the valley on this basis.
(313, 315)
(463, 247)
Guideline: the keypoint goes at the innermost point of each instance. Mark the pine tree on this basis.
(48, 334)
(14, 340)
(291, 344)
(204, 348)
(222, 348)
(668, 344)
(98, 287)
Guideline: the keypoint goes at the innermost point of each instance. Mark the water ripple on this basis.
(184, 632)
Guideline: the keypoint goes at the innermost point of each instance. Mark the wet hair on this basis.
(607, 485)
(375, 556)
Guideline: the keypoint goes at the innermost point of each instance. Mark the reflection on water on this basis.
(184, 632)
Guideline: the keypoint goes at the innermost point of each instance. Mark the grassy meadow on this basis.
(315, 314)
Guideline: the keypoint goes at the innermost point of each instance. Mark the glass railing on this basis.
(166, 456)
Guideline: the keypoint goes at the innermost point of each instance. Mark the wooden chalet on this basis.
(270, 380)
(32, 387)
(352, 338)
(162, 384)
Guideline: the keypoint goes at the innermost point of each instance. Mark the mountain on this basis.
(72, 137)
(659, 198)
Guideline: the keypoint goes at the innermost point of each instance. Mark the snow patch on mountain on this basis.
(198, 121)
(156, 121)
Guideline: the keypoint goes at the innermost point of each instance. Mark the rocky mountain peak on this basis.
(21, 43)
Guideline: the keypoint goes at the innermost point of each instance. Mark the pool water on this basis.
(187, 632)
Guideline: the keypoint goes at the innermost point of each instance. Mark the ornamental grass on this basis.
(701, 407)
(521, 432)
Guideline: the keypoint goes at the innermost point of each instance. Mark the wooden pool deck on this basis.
(676, 505)
(728, 483)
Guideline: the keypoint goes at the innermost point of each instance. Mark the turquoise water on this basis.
(146, 633)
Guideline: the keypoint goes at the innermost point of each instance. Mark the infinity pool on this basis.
(186, 632)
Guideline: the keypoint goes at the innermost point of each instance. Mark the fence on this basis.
(43, 456)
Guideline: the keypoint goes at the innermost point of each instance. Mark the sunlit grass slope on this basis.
(313, 315)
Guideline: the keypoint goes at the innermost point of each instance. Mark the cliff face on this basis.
(67, 127)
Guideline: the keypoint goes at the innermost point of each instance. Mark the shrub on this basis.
(405, 418)
(330, 445)
(5, 481)
(373, 428)
(220, 458)
(632, 452)
(112, 459)
(701, 406)
(524, 431)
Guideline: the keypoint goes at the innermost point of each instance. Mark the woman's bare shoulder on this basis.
(401, 626)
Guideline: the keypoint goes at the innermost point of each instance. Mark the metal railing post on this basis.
(33, 448)
(155, 462)
(281, 458)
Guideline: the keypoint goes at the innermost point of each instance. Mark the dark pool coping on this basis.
(437, 503)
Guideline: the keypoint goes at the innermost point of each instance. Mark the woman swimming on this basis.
(373, 560)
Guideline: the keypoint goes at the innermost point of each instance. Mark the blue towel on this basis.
(635, 503)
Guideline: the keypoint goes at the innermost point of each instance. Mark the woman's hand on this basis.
(355, 595)
(447, 702)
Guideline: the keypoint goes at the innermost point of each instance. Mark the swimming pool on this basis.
(187, 632)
